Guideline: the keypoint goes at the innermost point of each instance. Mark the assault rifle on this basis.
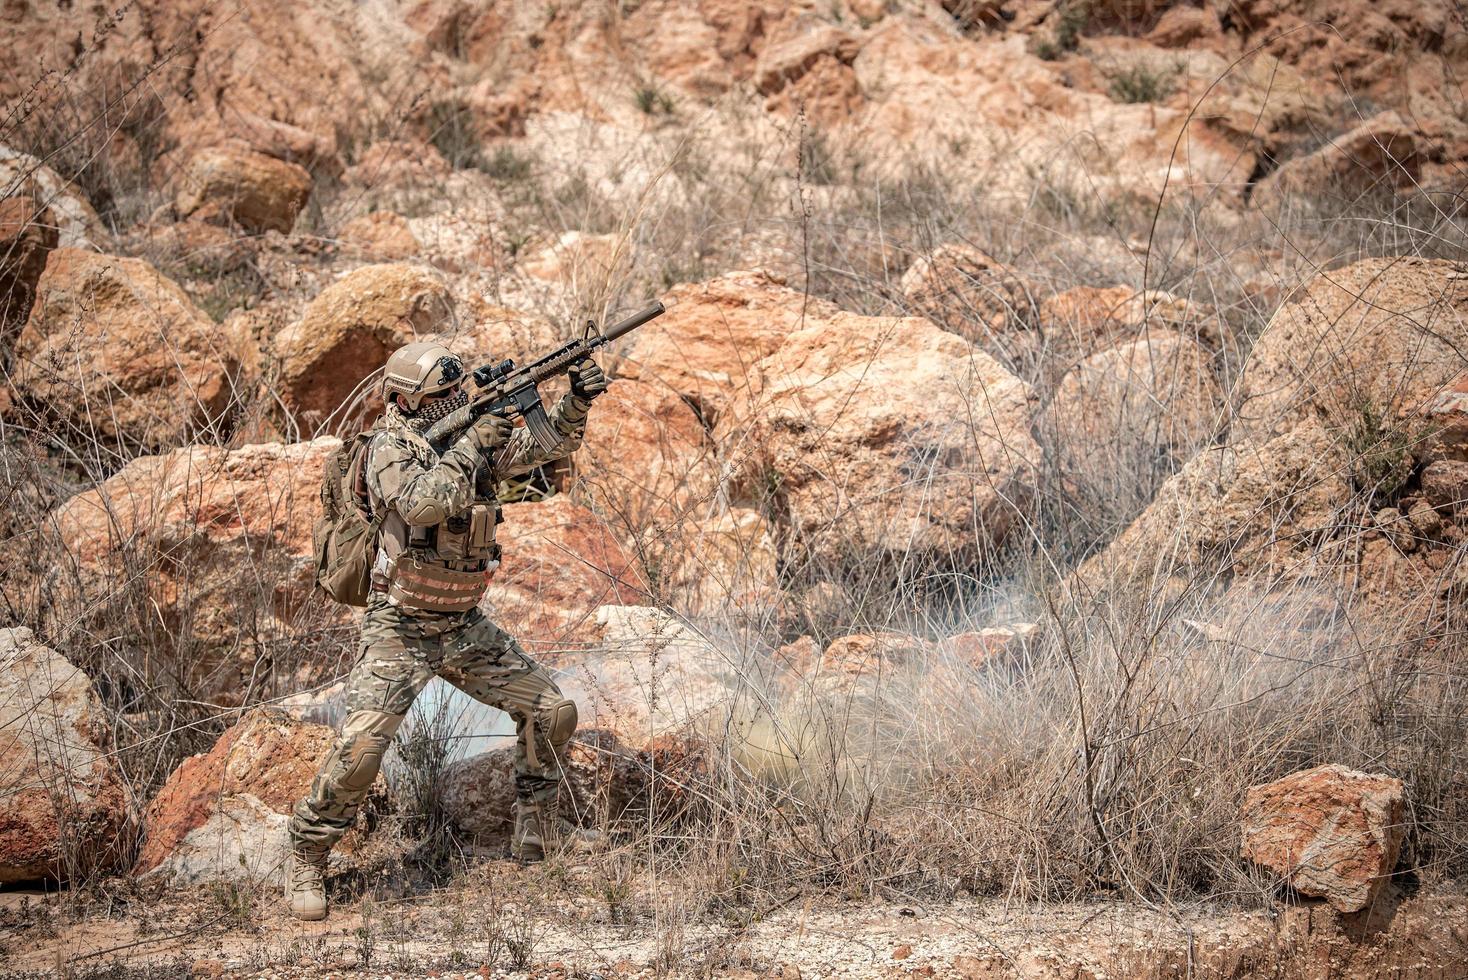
(509, 390)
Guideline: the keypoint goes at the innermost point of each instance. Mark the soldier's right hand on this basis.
(490, 432)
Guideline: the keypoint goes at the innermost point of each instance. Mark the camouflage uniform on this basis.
(402, 648)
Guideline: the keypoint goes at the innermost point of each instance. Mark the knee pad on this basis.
(560, 722)
(365, 738)
(361, 757)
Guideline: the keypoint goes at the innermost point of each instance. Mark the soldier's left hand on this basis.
(587, 380)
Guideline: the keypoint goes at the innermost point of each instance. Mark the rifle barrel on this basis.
(633, 322)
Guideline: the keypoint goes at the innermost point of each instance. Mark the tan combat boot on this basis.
(305, 884)
(534, 824)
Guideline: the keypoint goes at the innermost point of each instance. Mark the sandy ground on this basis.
(490, 927)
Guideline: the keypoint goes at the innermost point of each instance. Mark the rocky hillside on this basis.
(1060, 417)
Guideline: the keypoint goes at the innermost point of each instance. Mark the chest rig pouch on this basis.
(446, 568)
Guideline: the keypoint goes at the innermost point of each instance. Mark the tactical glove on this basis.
(587, 381)
(489, 432)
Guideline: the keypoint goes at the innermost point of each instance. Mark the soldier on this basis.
(435, 551)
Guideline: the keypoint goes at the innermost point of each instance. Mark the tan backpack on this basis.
(345, 536)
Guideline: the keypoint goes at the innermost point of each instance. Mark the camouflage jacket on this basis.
(407, 477)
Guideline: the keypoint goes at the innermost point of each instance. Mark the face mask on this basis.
(438, 408)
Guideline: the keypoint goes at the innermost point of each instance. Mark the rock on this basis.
(27, 236)
(1382, 336)
(991, 643)
(226, 536)
(968, 293)
(382, 236)
(256, 192)
(1183, 27)
(347, 333)
(603, 778)
(1384, 151)
(705, 347)
(222, 814)
(719, 563)
(1250, 507)
(646, 461)
(560, 563)
(1079, 322)
(115, 350)
(1123, 419)
(1445, 485)
(64, 809)
(581, 263)
(1331, 832)
(783, 60)
(866, 655)
(76, 222)
(1425, 519)
(851, 414)
(1446, 421)
(649, 674)
(487, 333)
(241, 840)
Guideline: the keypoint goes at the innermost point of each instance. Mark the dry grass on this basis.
(1107, 758)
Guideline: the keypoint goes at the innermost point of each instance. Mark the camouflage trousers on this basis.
(400, 652)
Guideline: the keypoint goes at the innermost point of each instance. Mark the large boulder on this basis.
(115, 350)
(233, 183)
(1074, 324)
(76, 222)
(602, 778)
(1381, 336)
(560, 563)
(1331, 832)
(648, 674)
(1291, 513)
(211, 545)
(27, 236)
(965, 291)
(882, 439)
(347, 333)
(705, 347)
(1383, 152)
(222, 814)
(1124, 418)
(64, 809)
(646, 461)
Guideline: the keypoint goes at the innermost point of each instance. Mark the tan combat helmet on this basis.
(419, 369)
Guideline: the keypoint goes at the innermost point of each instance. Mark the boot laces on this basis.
(305, 874)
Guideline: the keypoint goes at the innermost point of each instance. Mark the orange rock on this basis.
(876, 437)
(646, 460)
(969, 293)
(382, 236)
(1384, 151)
(1125, 417)
(64, 810)
(225, 535)
(266, 754)
(231, 183)
(560, 563)
(27, 236)
(347, 333)
(116, 350)
(977, 647)
(1356, 338)
(1331, 832)
(705, 346)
